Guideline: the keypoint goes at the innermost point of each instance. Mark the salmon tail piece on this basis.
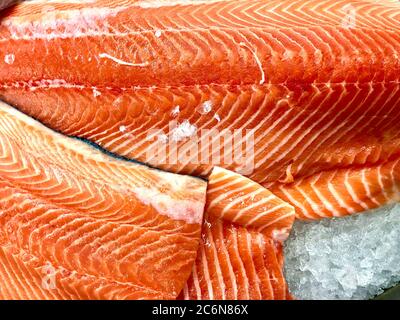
(338, 193)
(89, 225)
(240, 256)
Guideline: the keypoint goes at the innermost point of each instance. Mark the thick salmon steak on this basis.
(78, 224)
(240, 256)
(307, 87)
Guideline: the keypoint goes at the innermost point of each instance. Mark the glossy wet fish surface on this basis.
(217, 124)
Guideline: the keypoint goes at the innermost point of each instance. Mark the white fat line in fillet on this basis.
(216, 201)
(18, 35)
(123, 146)
(89, 127)
(113, 135)
(352, 193)
(67, 228)
(122, 62)
(282, 217)
(206, 272)
(265, 214)
(185, 292)
(257, 59)
(7, 278)
(296, 203)
(254, 205)
(170, 3)
(218, 175)
(213, 248)
(260, 8)
(329, 124)
(179, 150)
(224, 251)
(338, 197)
(206, 124)
(131, 140)
(240, 130)
(322, 198)
(261, 245)
(395, 180)
(249, 19)
(239, 200)
(354, 124)
(366, 184)
(343, 85)
(136, 141)
(229, 182)
(306, 18)
(196, 282)
(221, 124)
(242, 270)
(20, 286)
(10, 158)
(394, 107)
(270, 128)
(72, 193)
(131, 253)
(251, 265)
(141, 136)
(349, 133)
(292, 146)
(18, 283)
(5, 290)
(314, 206)
(99, 233)
(283, 118)
(99, 242)
(287, 136)
(114, 130)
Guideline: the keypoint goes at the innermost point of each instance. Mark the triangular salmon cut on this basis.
(342, 192)
(240, 256)
(104, 227)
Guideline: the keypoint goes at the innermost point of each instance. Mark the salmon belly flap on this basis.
(240, 256)
(314, 85)
(89, 225)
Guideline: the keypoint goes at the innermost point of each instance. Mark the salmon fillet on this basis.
(314, 83)
(241, 255)
(105, 228)
(341, 192)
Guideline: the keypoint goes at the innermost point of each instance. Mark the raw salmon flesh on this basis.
(92, 208)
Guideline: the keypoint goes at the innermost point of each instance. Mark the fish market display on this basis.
(105, 228)
(241, 253)
(162, 149)
(314, 89)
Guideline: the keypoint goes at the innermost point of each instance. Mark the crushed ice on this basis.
(355, 257)
(175, 111)
(183, 130)
(9, 58)
(158, 33)
(205, 107)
